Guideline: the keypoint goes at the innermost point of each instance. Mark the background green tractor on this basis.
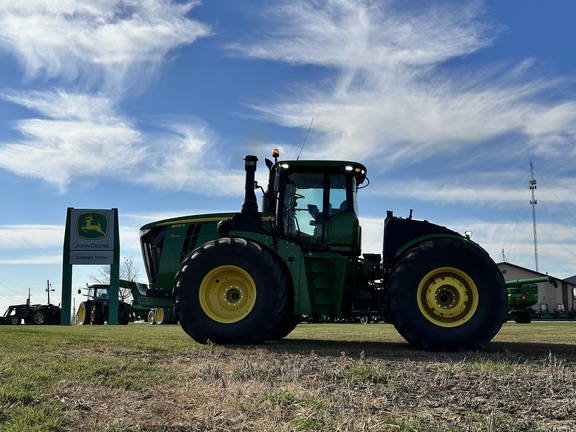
(31, 314)
(95, 310)
(247, 277)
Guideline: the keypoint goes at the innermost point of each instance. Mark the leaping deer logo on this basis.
(92, 227)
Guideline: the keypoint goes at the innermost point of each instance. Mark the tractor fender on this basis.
(402, 235)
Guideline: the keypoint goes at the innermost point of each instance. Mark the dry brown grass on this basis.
(156, 379)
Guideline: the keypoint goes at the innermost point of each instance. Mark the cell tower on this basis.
(532, 186)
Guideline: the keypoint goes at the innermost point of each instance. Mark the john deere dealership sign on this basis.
(92, 237)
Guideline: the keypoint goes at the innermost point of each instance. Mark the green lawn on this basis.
(321, 377)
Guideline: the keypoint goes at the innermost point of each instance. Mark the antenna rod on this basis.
(305, 138)
(532, 186)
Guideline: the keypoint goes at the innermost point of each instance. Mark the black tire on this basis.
(231, 291)
(523, 318)
(174, 319)
(152, 317)
(97, 316)
(447, 295)
(286, 327)
(14, 320)
(163, 316)
(123, 313)
(83, 313)
(41, 316)
(56, 318)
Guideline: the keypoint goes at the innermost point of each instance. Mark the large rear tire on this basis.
(231, 291)
(123, 313)
(447, 295)
(97, 315)
(286, 326)
(41, 316)
(84, 312)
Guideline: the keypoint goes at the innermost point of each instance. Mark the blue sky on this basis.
(149, 106)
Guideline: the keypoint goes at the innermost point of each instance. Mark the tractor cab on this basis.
(316, 204)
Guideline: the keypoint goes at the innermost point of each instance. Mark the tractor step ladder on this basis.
(320, 283)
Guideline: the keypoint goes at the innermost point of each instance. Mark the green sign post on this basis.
(91, 238)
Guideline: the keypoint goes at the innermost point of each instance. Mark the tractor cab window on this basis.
(102, 293)
(338, 198)
(310, 200)
(303, 198)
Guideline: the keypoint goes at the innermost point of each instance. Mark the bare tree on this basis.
(128, 271)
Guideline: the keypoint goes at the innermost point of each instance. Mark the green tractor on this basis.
(31, 314)
(247, 277)
(95, 309)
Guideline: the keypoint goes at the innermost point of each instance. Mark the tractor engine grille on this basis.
(151, 243)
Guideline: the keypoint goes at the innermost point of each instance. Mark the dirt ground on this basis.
(306, 384)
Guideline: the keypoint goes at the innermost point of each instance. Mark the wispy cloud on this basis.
(386, 92)
(76, 136)
(189, 160)
(101, 42)
(390, 95)
(95, 53)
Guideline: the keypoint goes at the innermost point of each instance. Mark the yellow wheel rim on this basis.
(447, 297)
(227, 294)
(81, 314)
(160, 316)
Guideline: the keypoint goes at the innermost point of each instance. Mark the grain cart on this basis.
(247, 277)
(522, 295)
(162, 316)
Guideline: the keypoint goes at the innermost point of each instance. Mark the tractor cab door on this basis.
(318, 210)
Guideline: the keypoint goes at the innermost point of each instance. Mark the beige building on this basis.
(562, 297)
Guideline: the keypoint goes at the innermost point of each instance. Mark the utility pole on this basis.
(532, 186)
(48, 289)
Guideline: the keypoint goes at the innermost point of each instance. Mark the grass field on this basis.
(322, 377)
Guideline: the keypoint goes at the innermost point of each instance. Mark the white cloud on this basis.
(101, 41)
(390, 97)
(98, 52)
(366, 36)
(78, 137)
(81, 134)
(31, 236)
(186, 158)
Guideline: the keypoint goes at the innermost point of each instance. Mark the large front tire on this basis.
(447, 295)
(231, 291)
